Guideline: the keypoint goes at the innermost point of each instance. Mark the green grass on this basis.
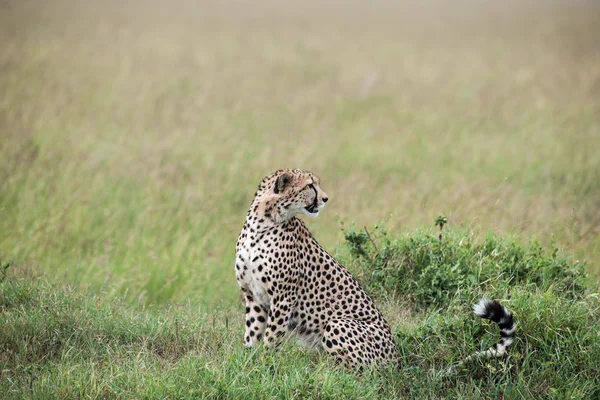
(132, 141)
(132, 138)
(61, 343)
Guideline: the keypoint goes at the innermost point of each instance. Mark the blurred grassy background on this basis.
(133, 134)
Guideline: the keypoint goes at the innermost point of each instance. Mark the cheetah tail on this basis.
(494, 311)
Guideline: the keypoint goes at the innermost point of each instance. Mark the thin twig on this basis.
(372, 241)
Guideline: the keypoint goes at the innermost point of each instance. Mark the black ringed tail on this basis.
(495, 312)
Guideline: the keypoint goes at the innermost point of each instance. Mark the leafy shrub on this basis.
(433, 271)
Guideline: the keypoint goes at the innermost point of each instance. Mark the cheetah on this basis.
(291, 285)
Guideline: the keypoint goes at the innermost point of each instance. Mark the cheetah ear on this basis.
(281, 182)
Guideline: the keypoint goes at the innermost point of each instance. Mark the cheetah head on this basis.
(289, 192)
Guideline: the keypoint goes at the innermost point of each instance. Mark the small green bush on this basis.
(434, 271)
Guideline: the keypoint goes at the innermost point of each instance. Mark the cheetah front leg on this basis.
(256, 319)
(280, 312)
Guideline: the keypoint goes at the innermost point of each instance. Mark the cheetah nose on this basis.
(325, 199)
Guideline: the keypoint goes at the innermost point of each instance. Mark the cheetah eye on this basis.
(310, 185)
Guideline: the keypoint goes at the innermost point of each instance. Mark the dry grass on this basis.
(133, 135)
